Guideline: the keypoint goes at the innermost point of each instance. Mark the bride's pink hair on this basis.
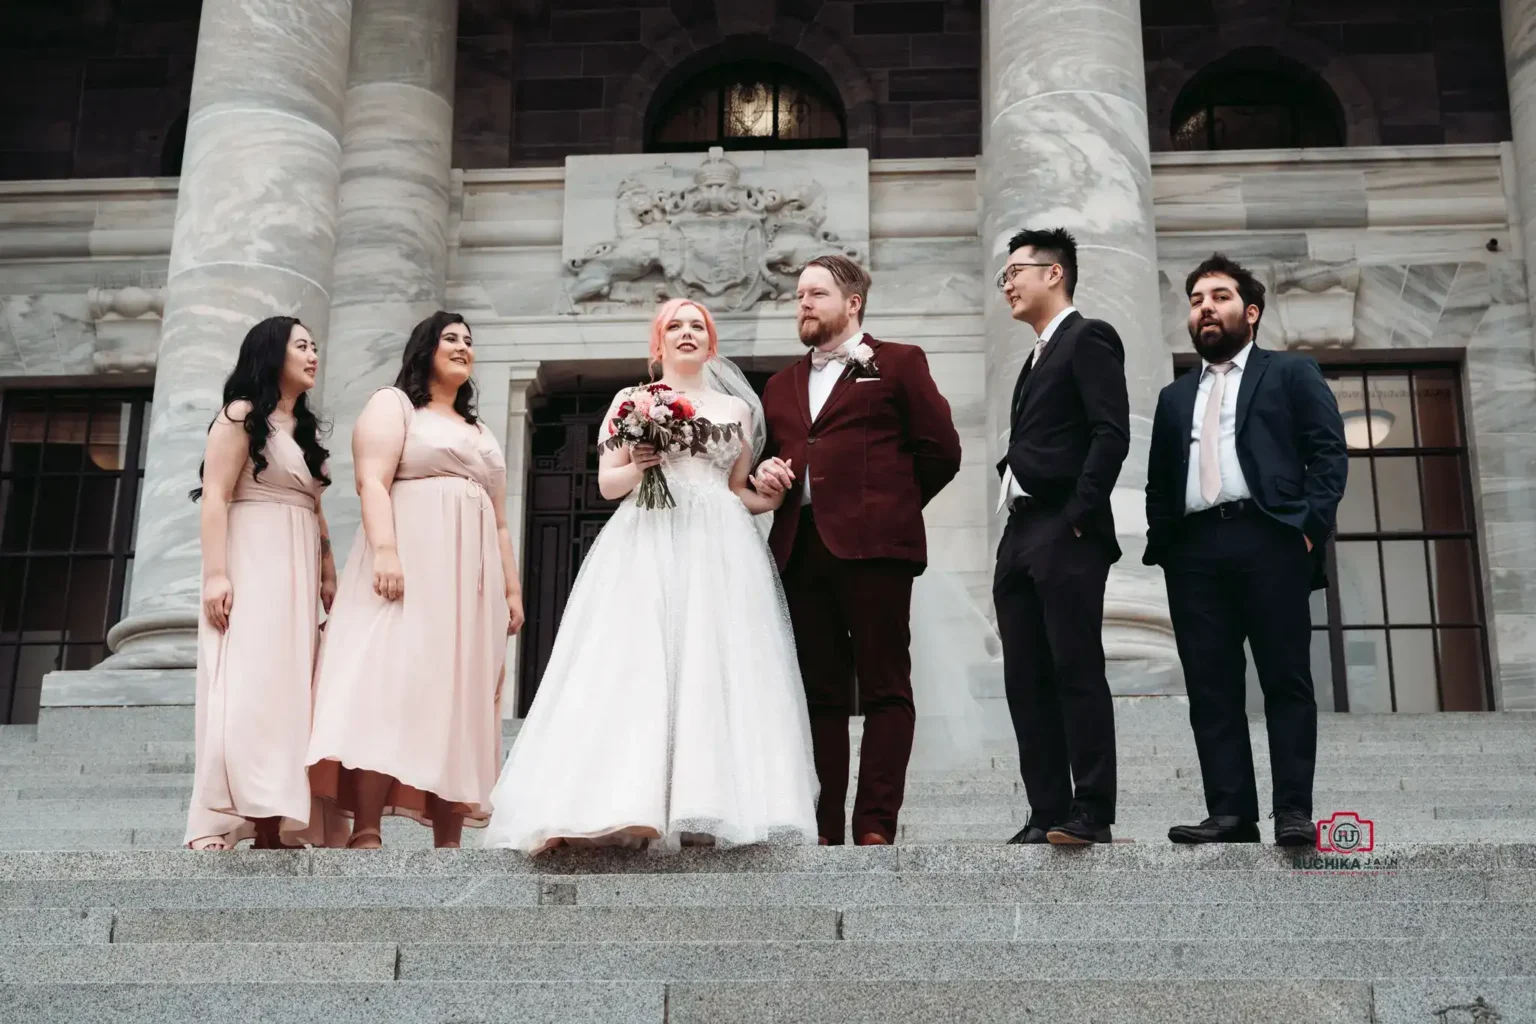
(666, 314)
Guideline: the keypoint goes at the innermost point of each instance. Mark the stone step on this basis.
(618, 865)
(1274, 959)
(387, 1002)
(181, 963)
(969, 922)
(734, 1002)
(1155, 830)
(472, 924)
(767, 960)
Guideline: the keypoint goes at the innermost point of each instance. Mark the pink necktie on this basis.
(1210, 436)
(820, 359)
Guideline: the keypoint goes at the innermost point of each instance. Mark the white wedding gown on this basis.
(672, 702)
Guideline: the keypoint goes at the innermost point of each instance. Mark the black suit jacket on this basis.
(1071, 426)
(1290, 443)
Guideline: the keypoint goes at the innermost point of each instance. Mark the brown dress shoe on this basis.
(873, 839)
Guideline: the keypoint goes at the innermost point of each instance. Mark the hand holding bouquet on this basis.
(656, 415)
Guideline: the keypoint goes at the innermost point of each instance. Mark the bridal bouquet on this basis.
(656, 415)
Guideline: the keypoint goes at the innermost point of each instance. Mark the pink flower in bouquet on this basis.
(644, 400)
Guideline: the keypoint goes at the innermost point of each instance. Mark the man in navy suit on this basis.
(1246, 469)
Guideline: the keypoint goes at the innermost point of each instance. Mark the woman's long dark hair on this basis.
(415, 377)
(257, 378)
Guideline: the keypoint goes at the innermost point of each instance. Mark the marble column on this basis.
(1519, 18)
(1065, 145)
(254, 236)
(396, 185)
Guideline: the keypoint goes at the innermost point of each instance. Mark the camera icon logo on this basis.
(1345, 832)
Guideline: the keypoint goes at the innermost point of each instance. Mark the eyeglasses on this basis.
(1011, 271)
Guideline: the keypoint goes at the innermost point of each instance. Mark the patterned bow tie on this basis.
(819, 358)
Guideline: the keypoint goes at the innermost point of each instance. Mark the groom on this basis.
(861, 426)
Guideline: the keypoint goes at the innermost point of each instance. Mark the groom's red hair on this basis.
(667, 313)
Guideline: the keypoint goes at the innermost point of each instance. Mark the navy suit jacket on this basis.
(1290, 443)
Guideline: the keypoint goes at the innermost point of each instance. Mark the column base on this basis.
(155, 640)
(104, 687)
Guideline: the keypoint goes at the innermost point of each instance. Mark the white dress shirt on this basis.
(821, 383)
(1011, 491)
(1234, 486)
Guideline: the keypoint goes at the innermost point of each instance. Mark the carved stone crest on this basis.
(719, 240)
(1314, 303)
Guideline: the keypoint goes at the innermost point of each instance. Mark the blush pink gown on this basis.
(412, 688)
(253, 680)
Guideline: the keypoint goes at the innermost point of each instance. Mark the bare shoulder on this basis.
(236, 412)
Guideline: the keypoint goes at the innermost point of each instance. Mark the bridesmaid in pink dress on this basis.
(408, 692)
(266, 569)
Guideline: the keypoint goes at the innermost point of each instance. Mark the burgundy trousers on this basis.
(852, 622)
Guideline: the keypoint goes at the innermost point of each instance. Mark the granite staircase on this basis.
(102, 918)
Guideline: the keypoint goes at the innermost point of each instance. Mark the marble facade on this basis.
(352, 217)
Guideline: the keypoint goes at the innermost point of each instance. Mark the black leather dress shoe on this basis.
(1218, 829)
(1029, 835)
(1292, 828)
(1079, 830)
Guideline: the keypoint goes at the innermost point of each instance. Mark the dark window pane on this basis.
(1453, 572)
(64, 449)
(8, 654)
(1407, 578)
(1462, 682)
(696, 121)
(43, 602)
(83, 656)
(1397, 493)
(54, 524)
(98, 512)
(12, 571)
(1445, 494)
(1413, 671)
(1357, 512)
(1365, 662)
(89, 585)
(1437, 396)
(26, 419)
(1359, 583)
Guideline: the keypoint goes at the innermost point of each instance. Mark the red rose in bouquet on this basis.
(656, 415)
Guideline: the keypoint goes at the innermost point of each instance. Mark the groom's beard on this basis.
(815, 332)
(1220, 348)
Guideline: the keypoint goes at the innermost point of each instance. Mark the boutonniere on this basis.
(862, 358)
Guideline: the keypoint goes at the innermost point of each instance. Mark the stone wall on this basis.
(579, 77)
(1369, 254)
(1408, 72)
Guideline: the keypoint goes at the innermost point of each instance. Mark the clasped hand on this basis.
(774, 478)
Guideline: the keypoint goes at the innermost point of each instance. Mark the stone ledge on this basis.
(119, 688)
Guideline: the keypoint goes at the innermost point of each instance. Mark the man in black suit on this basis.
(1245, 472)
(1070, 431)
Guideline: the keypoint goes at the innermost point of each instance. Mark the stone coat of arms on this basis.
(718, 240)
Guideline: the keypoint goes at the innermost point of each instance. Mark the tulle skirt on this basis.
(672, 701)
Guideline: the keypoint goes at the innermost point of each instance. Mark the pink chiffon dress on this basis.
(412, 688)
(254, 679)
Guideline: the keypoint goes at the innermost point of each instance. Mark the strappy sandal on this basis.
(367, 833)
(262, 844)
(209, 844)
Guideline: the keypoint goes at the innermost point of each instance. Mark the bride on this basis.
(671, 708)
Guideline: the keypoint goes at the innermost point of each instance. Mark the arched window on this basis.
(747, 105)
(1256, 99)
